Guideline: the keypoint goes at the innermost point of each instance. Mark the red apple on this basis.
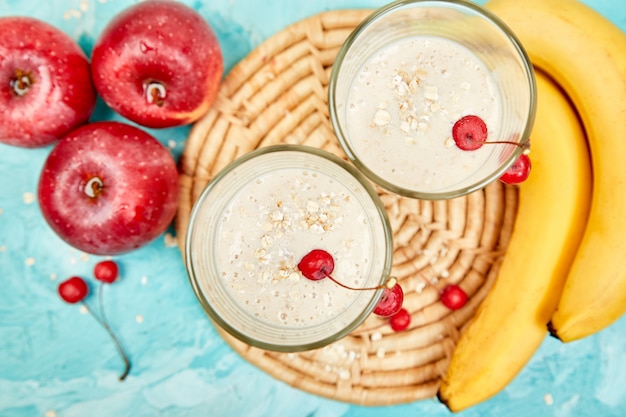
(45, 83)
(108, 188)
(158, 63)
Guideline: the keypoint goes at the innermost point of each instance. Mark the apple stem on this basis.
(21, 83)
(105, 325)
(94, 187)
(155, 93)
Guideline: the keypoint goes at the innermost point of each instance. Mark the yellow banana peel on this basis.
(511, 322)
(586, 54)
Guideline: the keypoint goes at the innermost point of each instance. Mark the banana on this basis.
(511, 322)
(586, 54)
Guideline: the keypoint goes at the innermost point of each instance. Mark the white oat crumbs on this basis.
(376, 336)
(28, 198)
(548, 399)
(315, 214)
(170, 240)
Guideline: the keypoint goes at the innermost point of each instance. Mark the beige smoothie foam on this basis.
(403, 103)
(276, 219)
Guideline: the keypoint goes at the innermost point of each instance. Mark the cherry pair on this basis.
(75, 290)
(470, 133)
(319, 264)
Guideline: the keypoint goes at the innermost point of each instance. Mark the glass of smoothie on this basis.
(413, 69)
(258, 218)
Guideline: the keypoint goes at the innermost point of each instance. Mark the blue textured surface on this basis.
(56, 361)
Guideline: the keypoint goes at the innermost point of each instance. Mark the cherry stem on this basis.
(388, 284)
(100, 303)
(155, 93)
(523, 145)
(105, 325)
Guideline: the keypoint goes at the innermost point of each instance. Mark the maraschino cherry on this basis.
(75, 290)
(319, 264)
(470, 133)
(106, 271)
(401, 320)
(453, 297)
(518, 172)
(390, 302)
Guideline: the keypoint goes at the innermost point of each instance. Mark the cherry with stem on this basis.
(470, 133)
(75, 290)
(319, 264)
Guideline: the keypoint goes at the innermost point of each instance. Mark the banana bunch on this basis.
(511, 322)
(564, 269)
(586, 54)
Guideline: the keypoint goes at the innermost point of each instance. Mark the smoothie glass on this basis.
(407, 73)
(254, 222)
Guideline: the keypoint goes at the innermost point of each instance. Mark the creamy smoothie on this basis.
(271, 224)
(255, 223)
(403, 103)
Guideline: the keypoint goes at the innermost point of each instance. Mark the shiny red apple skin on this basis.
(108, 188)
(163, 42)
(61, 95)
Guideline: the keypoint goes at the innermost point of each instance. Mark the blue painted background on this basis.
(55, 361)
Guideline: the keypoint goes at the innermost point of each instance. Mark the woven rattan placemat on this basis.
(278, 95)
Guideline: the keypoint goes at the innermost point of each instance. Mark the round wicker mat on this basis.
(278, 95)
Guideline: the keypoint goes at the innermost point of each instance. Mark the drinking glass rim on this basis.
(424, 195)
(275, 346)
